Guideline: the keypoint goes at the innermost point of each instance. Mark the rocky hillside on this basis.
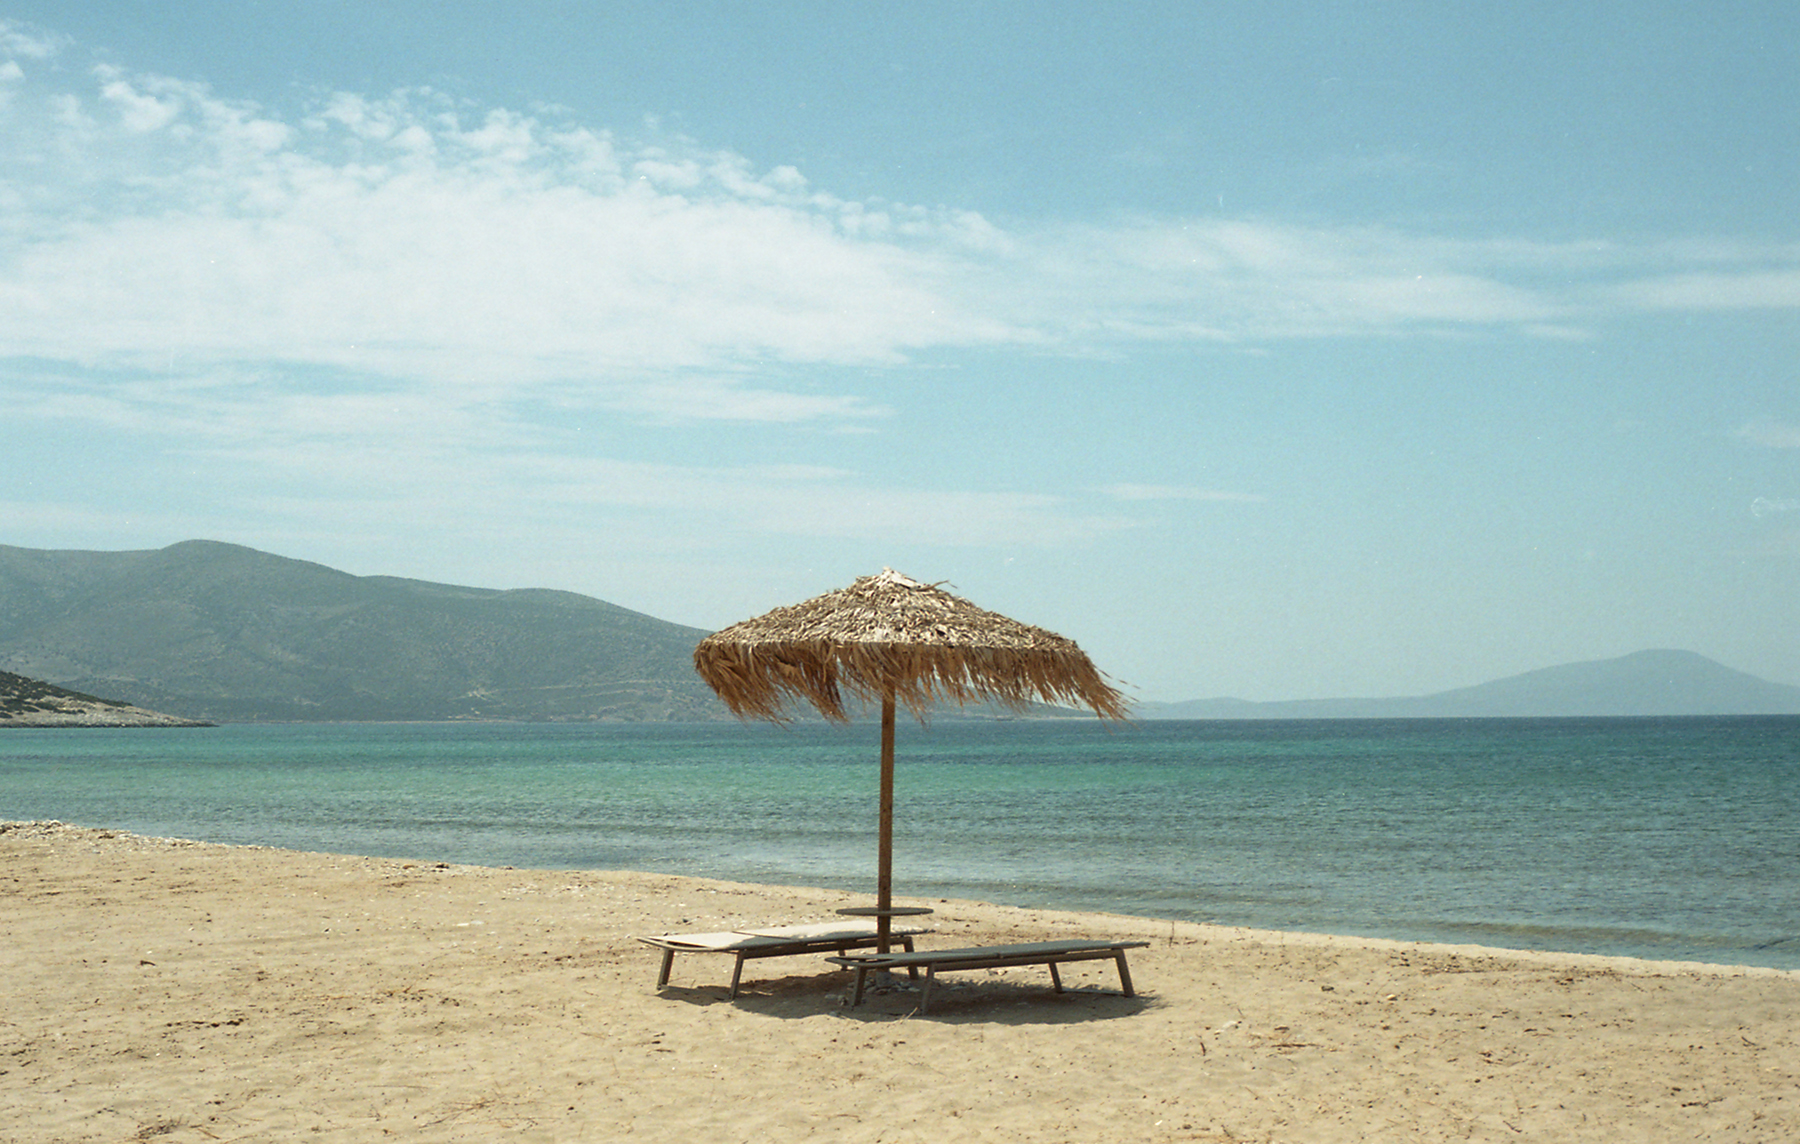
(33, 703)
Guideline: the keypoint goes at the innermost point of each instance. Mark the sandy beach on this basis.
(160, 989)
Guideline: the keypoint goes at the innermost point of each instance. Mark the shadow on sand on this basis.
(974, 999)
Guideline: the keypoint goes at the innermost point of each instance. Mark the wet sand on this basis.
(159, 989)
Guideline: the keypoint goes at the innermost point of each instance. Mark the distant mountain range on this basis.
(1644, 683)
(221, 633)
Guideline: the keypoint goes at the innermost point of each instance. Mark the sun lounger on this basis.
(1050, 953)
(776, 941)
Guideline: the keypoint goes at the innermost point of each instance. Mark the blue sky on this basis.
(1267, 350)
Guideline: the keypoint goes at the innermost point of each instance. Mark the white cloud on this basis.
(417, 237)
(139, 111)
(414, 238)
(18, 41)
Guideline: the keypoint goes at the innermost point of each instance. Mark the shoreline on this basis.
(1106, 921)
(851, 895)
(197, 991)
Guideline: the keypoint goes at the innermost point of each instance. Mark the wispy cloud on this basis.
(1131, 492)
(371, 457)
(1752, 287)
(1771, 434)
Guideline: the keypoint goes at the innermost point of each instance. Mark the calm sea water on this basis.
(1662, 838)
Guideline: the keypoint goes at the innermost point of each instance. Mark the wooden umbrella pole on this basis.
(884, 887)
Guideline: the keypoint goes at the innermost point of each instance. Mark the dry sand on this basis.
(165, 990)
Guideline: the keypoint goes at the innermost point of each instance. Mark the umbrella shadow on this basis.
(953, 1002)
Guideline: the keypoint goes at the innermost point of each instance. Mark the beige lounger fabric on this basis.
(775, 941)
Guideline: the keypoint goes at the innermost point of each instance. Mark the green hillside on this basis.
(225, 633)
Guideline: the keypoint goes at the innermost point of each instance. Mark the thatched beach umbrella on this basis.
(891, 639)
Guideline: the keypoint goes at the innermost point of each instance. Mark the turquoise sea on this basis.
(1664, 838)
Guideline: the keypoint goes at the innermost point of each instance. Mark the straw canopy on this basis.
(886, 638)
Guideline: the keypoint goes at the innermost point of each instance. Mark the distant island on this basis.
(1658, 682)
(34, 703)
(220, 633)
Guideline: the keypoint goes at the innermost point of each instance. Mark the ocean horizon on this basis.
(1671, 838)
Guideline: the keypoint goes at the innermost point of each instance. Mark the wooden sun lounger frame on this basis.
(772, 943)
(1049, 953)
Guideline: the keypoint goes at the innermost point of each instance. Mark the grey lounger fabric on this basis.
(1049, 953)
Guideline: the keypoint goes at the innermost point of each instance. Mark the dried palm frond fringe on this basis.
(889, 634)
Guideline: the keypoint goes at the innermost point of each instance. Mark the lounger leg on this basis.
(856, 998)
(1124, 975)
(736, 973)
(1055, 977)
(912, 971)
(668, 961)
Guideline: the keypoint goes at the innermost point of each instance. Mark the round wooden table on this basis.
(890, 912)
